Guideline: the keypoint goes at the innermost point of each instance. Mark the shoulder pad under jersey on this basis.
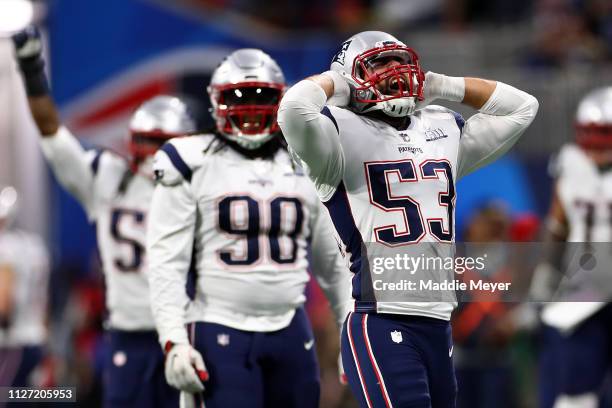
(571, 159)
(441, 113)
(178, 158)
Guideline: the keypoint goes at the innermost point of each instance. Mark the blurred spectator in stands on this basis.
(481, 332)
(566, 33)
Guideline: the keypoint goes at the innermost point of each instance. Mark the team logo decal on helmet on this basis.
(340, 55)
(383, 73)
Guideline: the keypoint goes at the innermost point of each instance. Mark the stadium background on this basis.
(105, 57)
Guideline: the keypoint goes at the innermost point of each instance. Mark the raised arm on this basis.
(311, 134)
(504, 114)
(74, 167)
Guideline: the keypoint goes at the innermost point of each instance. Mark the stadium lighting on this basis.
(15, 15)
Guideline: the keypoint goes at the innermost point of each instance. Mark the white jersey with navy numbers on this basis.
(26, 258)
(393, 187)
(117, 201)
(248, 224)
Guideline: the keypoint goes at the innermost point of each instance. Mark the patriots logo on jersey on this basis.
(340, 55)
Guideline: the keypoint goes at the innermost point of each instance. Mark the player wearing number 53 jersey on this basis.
(236, 204)
(115, 193)
(385, 163)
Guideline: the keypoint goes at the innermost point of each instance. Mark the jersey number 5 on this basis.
(135, 260)
(250, 229)
(381, 196)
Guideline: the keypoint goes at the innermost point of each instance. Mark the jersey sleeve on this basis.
(312, 134)
(328, 266)
(170, 235)
(496, 128)
(74, 167)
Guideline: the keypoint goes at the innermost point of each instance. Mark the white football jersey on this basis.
(585, 193)
(250, 223)
(393, 188)
(25, 255)
(117, 201)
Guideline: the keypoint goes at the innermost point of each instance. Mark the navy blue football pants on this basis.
(258, 369)
(134, 372)
(399, 360)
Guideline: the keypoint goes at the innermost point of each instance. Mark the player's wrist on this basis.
(28, 50)
(34, 77)
(445, 87)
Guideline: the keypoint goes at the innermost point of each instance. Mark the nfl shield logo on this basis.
(396, 336)
(223, 339)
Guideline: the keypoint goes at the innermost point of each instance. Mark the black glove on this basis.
(28, 49)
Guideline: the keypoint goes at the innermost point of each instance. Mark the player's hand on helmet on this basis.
(438, 86)
(342, 91)
(185, 369)
(341, 374)
(28, 43)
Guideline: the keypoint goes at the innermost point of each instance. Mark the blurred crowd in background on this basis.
(106, 58)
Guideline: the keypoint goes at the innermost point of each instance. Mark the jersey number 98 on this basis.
(249, 228)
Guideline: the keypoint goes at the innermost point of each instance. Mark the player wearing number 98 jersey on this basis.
(235, 202)
(115, 193)
(385, 162)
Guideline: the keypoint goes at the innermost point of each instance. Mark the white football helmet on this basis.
(9, 204)
(245, 91)
(594, 119)
(360, 60)
(154, 122)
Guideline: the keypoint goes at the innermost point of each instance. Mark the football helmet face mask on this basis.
(156, 121)
(594, 120)
(382, 72)
(245, 91)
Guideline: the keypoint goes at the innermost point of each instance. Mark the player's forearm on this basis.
(45, 114)
(491, 133)
(168, 303)
(477, 92)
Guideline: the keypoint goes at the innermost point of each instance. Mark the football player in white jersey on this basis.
(115, 193)
(385, 162)
(235, 203)
(578, 223)
(24, 277)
